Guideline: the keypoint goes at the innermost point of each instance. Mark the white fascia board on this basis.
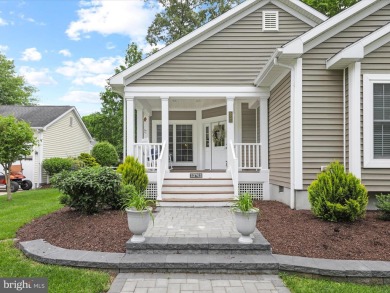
(361, 48)
(119, 78)
(295, 13)
(333, 26)
(198, 92)
(267, 68)
(308, 9)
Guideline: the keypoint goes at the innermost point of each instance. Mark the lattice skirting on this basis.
(255, 189)
(151, 191)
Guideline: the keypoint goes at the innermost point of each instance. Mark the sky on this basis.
(68, 48)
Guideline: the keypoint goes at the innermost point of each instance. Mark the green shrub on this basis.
(88, 160)
(337, 196)
(105, 154)
(89, 189)
(383, 205)
(134, 173)
(56, 165)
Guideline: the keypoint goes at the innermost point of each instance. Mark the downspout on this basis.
(292, 177)
(344, 119)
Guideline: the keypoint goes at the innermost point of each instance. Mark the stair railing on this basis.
(162, 166)
(233, 166)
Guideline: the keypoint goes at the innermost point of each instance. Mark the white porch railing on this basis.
(162, 166)
(248, 155)
(148, 154)
(233, 166)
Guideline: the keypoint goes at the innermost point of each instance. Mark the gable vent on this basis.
(270, 21)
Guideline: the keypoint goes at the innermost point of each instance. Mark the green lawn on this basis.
(24, 207)
(305, 285)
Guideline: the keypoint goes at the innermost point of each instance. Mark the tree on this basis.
(17, 141)
(107, 125)
(181, 17)
(13, 88)
(330, 7)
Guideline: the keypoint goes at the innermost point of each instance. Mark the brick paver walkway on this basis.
(193, 222)
(199, 283)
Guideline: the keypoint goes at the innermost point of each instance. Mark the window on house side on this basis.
(376, 120)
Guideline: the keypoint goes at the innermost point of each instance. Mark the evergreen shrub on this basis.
(383, 205)
(105, 154)
(337, 196)
(133, 173)
(89, 190)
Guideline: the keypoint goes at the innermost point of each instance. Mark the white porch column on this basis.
(354, 119)
(129, 125)
(140, 123)
(229, 127)
(165, 126)
(264, 132)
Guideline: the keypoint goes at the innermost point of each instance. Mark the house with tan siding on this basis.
(260, 100)
(60, 133)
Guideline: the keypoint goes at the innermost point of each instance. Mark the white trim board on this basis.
(360, 49)
(368, 121)
(305, 13)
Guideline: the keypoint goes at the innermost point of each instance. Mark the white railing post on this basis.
(233, 167)
(161, 168)
(248, 155)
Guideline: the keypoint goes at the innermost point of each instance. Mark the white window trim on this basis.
(368, 120)
(194, 139)
(277, 21)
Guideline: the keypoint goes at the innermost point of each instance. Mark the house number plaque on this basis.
(230, 116)
(195, 175)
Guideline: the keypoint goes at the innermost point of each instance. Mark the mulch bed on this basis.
(289, 232)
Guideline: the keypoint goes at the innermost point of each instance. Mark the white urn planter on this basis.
(138, 222)
(246, 224)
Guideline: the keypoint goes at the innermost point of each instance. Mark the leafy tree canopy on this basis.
(330, 7)
(13, 88)
(181, 17)
(17, 141)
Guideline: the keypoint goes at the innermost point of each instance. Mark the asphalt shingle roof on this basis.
(37, 116)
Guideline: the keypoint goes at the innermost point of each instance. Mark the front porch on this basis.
(205, 135)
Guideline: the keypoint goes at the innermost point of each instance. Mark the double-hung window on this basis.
(376, 120)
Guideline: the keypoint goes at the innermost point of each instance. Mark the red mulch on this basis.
(300, 233)
(290, 232)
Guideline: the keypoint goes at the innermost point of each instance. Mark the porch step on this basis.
(194, 245)
(205, 175)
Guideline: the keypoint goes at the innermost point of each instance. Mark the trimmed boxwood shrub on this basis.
(383, 205)
(105, 154)
(56, 165)
(337, 196)
(88, 160)
(89, 190)
(133, 173)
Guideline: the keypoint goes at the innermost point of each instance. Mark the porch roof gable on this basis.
(294, 7)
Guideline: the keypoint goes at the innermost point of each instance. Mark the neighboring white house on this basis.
(60, 133)
(289, 90)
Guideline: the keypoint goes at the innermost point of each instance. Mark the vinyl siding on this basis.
(62, 140)
(248, 124)
(323, 97)
(214, 112)
(377, 62)
(279, 133)
(233, 56)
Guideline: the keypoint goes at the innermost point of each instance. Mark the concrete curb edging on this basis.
(42, 251)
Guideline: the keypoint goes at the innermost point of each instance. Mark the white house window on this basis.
(180, 141)
(270, 20)
(376, 120)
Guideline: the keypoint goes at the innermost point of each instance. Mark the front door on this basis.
(215, 145)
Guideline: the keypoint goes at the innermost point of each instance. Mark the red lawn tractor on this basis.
(17, 179)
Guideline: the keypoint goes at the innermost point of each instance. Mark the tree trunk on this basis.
(8, 182)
